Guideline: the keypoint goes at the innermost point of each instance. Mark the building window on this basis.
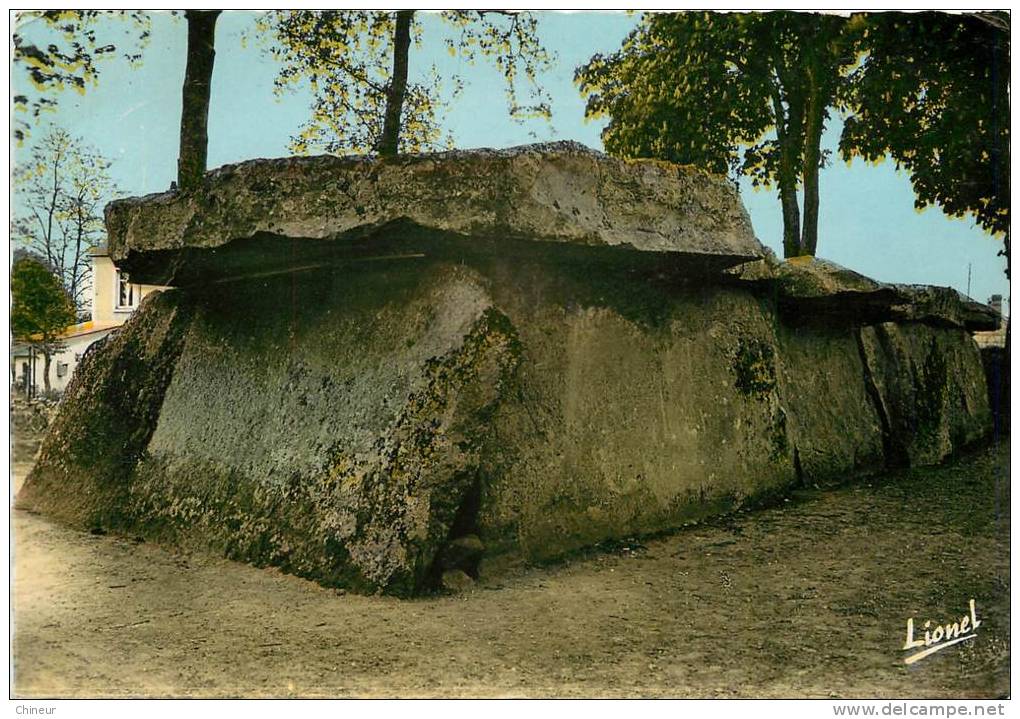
(61, 369)
(127, 293)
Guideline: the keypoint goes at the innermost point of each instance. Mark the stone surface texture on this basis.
(560, 192)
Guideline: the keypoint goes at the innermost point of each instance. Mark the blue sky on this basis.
(867, 218)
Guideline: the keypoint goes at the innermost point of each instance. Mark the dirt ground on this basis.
(806, 599)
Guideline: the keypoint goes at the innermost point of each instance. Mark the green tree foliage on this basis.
(66, 51)
(932, 93)
(751, 94)
(746, 93)
(40, 308)
(350, 59)
(60, 189)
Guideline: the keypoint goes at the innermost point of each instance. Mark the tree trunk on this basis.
(47, 358)
(389, 143)
(813, 122)
(791, 215)
(195, 109)
(787, 131)
(787, 181)
(52, 208)
(75, 268)
(30, 374)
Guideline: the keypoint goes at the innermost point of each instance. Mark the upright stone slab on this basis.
(834, 425)
(929, 387)
(330, 427)
(108, 413)
(637, 406)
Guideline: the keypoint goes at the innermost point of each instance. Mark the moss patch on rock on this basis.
(754, 367)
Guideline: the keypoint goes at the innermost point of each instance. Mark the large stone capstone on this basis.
(814, 286)
(443, 403)
(557, 193)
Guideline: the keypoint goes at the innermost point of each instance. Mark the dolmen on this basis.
(377, 373)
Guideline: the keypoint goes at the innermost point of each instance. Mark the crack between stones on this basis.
(893, 457)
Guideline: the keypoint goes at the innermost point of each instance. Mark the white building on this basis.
(114, 298)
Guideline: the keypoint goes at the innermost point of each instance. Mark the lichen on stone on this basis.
(754, 366)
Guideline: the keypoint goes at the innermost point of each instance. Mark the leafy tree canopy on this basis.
(750, 94)
(932, 93)
(730, 92)
(67, 49)
(346, 57)
(40, 308)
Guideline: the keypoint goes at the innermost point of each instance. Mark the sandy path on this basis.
(807, 599)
